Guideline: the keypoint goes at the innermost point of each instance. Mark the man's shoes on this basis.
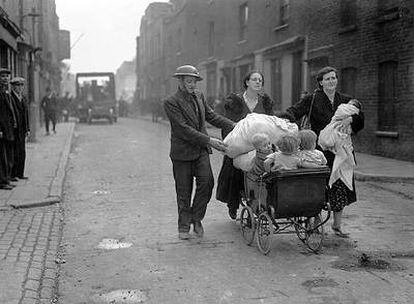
(198, 229)
(6, 187)
(233, 213)
(47, 133)
(184, 235)
(13, 179)
(22, 177)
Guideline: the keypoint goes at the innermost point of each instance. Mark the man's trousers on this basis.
(19, 157)
(184, 174)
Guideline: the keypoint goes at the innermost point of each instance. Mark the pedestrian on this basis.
(49, 107)
(321, 106)
(23, 129)
(188, 112)
(8, 126)
(230, 182)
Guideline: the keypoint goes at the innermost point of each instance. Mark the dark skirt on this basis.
(230, 183)
(339, 195)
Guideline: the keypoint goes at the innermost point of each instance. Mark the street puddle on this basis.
(367, 261)
(110, 244)
(122, 296)
(101, 192)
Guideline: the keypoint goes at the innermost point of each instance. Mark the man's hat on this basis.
(4, 71)
(17, 80)
(187, 70)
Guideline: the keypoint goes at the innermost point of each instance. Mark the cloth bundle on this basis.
(245, 161)
(238, 141)
(336, 138)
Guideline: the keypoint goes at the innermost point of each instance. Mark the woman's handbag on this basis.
(305, 122)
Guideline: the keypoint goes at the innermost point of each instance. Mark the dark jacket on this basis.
(321, 114)
(22, 115)
(322, 111)
(6, 117)
(49, 104)
(236, 109)
(189, 136)
(230, 181)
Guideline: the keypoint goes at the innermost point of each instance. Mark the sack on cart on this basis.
(238, 141)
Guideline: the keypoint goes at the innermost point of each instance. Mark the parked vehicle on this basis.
(95, 97)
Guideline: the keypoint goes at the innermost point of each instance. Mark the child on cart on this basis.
(310, 156)
(263, 148)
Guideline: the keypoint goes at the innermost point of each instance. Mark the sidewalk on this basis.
(45, 166)
(369, 168)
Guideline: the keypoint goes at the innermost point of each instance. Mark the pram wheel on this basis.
(300, 228)
(314, 236)
(247, 224)
(264, 232)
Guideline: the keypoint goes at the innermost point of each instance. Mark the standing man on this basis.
(8, 127)
(190, 148)
(23, 130)
(49, 107)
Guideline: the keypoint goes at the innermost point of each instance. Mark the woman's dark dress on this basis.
(339, 195)
(230, 181)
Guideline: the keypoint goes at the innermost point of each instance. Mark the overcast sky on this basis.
(106, 30)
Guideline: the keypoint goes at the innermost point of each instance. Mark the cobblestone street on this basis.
(29, 240)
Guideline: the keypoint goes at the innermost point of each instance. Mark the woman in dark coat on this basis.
(230, 182)
(325, 102)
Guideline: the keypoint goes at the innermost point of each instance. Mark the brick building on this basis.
(30, 46)
(369, 42)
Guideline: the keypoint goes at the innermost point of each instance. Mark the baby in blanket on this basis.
(336, 137)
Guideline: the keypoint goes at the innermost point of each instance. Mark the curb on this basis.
(56, 185)
(50, 200)
(364, 177)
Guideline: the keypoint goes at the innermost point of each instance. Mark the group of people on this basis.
(188, 112)
(14, 129)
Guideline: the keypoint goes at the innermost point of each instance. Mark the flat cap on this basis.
(4, 71)
(17, 80)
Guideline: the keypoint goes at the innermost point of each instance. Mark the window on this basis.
(348, 80)
(348, 12)
(284, 12)
(211, 38)
(297, 76)
(276, 85)
(243, 18)
(4, 57)
(243, 70)
(387, 95)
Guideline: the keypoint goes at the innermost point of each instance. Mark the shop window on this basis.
(387, 95)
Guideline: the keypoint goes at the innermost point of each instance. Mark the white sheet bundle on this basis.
(239, 140)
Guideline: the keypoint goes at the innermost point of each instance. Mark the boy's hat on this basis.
(17, 80)
(4, 71)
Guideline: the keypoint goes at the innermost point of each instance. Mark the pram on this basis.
(294, 198)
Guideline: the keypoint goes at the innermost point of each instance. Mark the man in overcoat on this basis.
(49, 106)
(22, 116)
(8, 126)
(188, 112)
